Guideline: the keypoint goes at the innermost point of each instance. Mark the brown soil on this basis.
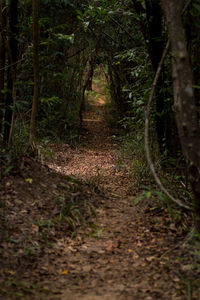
(125, 252)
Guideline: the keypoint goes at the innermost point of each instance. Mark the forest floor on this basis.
(110, 247)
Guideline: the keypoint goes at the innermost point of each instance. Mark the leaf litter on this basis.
(70, 229)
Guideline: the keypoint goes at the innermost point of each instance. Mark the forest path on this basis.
(125, 254)
(94, 161)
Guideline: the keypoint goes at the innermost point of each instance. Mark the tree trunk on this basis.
(152, 32)
(2, 58)
(88, 82)
(186, 111)
(154, 21)
(35, 102)
(12, 48)
(152, 29)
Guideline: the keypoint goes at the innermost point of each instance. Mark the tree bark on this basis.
(2, 57)
(12, 49)
(32, 136)
(151, 29)
(185, 108)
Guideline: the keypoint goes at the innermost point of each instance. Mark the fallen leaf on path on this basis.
(29, 180)
(137, 264)
(111, 261)
(139, 244)
(35, 228)
(11, 272)
(111, 245)
(135, 256)
(71, 249)
(150, 258)
(87, 268)
(176, 279)
(186, 267)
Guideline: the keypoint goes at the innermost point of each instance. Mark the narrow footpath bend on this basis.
(128, 256)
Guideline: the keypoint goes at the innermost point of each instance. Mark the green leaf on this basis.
(138, 199)
(148, 194)
(7, 171)
(197, 6)
(29, 180)
(99, 232)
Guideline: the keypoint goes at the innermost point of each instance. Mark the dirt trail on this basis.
(95, 159)
(127, 252)
(126, 255)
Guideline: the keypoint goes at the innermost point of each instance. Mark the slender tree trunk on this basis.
(12, 124)
(186, 111)
(152, 28)
(88, 82)
(2, 57)
(154, 21)
(35, 102)
(12, 47)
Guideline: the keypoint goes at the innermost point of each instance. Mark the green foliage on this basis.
(44, 227)
(95, 181)
(191, 264)
(75, 212)
(62, 59)
(132, 155)
(20, 140)
(19, 289)
(100, 11)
